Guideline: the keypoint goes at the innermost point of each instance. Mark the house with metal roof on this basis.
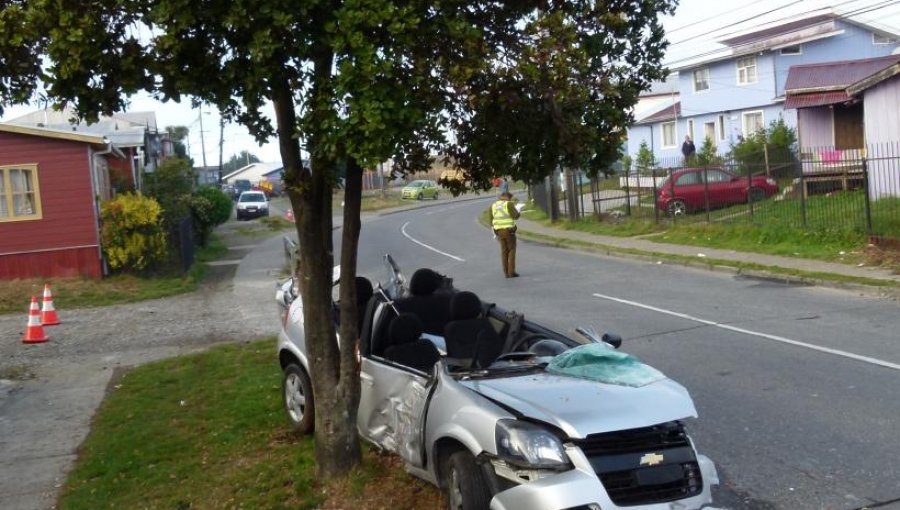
(738, 86)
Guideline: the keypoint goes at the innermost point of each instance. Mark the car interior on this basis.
(436, 322)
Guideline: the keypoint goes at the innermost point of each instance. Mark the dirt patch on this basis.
(382, 484)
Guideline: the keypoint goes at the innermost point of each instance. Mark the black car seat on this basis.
(427, 300)
(364, 292)
(488, 347)
(407, 347)
(466, 322)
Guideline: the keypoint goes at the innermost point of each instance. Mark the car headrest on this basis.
(364, 289)
(424, 282)
(404, 329)
(464, 305)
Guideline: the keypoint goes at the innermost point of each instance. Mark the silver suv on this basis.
(503, 413)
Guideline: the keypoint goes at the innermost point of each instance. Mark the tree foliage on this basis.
(774, 147)
(523, 87)
(645, 160)
(238, 161)
(210, 207)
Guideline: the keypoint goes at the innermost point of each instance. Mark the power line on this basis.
(863, 10)
(711, 18)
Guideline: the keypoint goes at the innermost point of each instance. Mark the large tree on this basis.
(524, 86)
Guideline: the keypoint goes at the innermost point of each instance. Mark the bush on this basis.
(779, 140)
(171, 185)
(210, 207)
(131, 232)
(644, 160)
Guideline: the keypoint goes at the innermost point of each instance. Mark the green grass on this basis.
(15, 295)
(196, 432)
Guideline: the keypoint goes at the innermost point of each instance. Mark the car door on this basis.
(720, 188)
(689, 187)
(393, 400)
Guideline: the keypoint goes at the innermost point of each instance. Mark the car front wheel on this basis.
(299, 404)
(467, 488)
(419, 196)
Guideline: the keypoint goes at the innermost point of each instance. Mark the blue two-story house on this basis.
(729, 93)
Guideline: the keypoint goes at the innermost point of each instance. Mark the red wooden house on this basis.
(51, 184)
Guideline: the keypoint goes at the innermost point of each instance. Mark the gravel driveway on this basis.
(53, 389)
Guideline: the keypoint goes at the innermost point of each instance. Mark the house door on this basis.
(849, 130)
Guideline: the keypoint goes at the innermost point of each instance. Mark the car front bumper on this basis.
(580, 489)
(254, 213)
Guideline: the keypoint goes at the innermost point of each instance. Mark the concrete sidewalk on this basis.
(812, 270)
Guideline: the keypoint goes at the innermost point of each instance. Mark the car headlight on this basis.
(528, 445)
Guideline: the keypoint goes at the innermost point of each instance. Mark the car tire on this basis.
(435, 196)
(756, 195)
(676, 207)
(297, 397)
(467, 487)
(419, 196)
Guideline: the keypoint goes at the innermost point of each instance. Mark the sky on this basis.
(693, 29)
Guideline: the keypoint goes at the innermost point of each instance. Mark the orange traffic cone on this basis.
(34, 333)
(48, 312)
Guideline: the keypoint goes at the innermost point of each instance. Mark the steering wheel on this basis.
(514, 347)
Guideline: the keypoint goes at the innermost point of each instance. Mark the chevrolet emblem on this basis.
(651, 459)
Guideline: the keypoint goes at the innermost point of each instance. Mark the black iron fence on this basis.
(818, 189)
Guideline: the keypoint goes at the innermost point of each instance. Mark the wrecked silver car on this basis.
(503, 413)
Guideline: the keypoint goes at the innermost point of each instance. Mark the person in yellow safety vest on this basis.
(504, 215)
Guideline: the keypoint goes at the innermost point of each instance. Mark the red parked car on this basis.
(720, 189)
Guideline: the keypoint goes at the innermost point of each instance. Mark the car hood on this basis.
(580, 407)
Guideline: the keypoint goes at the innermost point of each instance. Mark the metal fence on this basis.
(818, 189)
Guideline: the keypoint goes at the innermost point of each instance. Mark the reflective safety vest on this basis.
(500, 215)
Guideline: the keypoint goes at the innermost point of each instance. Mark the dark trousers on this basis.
(507, 238)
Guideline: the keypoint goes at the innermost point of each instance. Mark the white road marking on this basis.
(423, 245)
(827, 350)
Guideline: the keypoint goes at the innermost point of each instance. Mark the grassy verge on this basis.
(206, 432)
(15, 295)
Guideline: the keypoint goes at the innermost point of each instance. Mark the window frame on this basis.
(744, 115)
(739, 67)
(715, 130)
(704, 70)
(690, 129)
(662, 134)
(798, 52)
(721, 130)
(38, 212)
(888, 40)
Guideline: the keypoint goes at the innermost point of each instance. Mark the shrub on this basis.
(708, 156)
(171, 186)
(779, 140)
(131, 233)
(210, 207)
(644, 160)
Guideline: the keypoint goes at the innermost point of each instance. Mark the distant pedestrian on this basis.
(504, 215)
(687, 148)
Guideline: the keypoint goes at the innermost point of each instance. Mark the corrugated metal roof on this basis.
(815, 99)
(834, 75)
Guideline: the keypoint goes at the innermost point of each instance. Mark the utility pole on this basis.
(221, 141)
(202, 144)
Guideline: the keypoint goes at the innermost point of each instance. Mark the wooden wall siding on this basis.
(882, 104)
(61, 263)
(66, 195)
(816, 127)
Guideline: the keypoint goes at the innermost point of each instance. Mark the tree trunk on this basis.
(336, 441)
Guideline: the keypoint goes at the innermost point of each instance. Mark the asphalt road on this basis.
(797, 388)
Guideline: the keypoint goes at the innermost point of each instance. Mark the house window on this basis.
(701, 80)
(791, 50)
(20, 197)
(753, 122)
(709, 131)
(721, 128)
(669, 136)
(880, 39)
(690, 128)
(746, 70)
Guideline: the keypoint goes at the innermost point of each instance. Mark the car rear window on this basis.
(253, 197)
